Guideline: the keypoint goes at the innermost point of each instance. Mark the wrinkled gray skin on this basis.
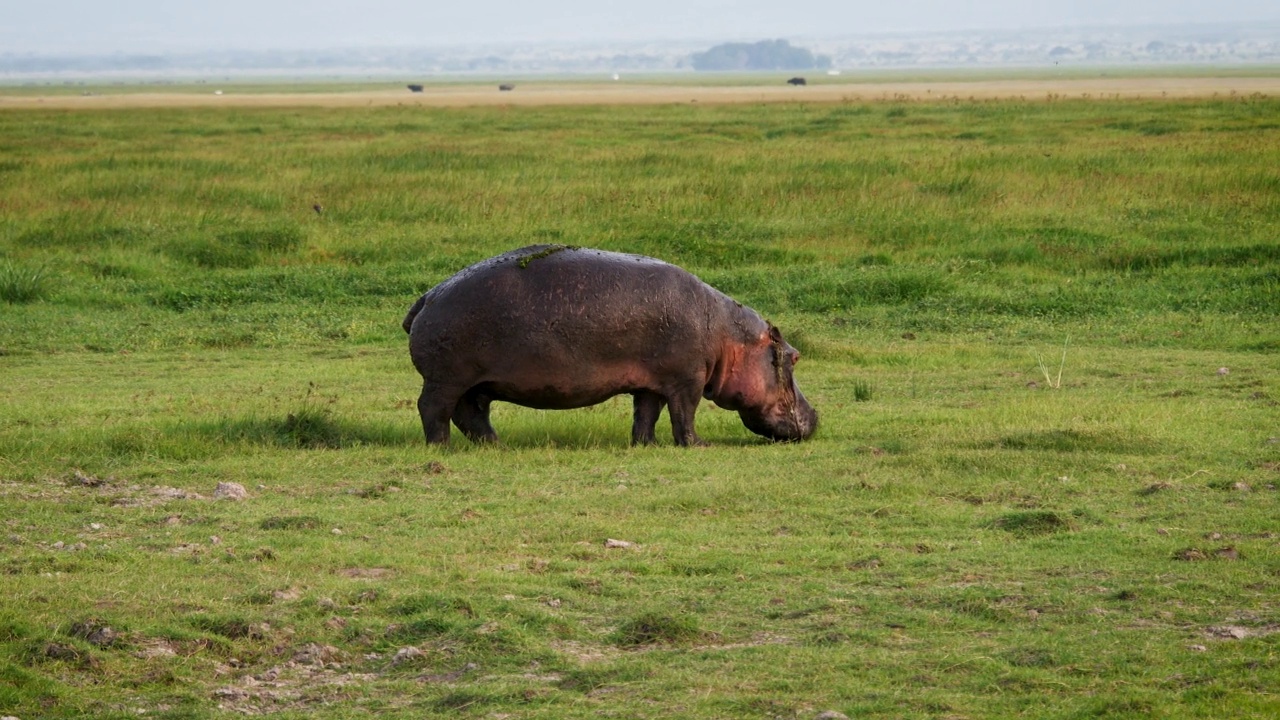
(554, 327)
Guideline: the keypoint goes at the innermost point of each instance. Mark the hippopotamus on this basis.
(558, 327)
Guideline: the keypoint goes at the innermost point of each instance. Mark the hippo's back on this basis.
(556, 304)
(558, 286)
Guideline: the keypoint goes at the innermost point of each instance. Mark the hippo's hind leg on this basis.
(435, 406)
(471, 415)
(648, 406)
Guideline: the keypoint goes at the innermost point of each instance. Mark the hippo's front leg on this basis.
(682, 406)
(648, 406)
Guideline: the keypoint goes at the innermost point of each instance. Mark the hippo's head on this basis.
(761, 386)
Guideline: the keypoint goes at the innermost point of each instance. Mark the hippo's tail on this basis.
(413, 312)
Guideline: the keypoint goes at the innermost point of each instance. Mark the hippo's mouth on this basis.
(783, 424)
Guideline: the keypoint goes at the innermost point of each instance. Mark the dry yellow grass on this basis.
(550, 93)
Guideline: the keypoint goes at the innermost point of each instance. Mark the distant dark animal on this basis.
(318, 208)
(555, 327)
(506, 87)
(796, 81)
(415, 88)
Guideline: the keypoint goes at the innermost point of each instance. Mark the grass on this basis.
(1050, 380)
(955, 529)
(20, 284)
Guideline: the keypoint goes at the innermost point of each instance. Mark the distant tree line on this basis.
(764, 55)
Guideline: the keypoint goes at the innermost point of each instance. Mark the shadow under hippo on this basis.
(554, 327)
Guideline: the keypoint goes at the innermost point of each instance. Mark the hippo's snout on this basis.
(785, 422)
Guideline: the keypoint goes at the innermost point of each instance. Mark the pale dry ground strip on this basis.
(551, 93)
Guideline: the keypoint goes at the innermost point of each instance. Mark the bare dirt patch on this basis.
(366, 573)
(585, 653)
(651, 94)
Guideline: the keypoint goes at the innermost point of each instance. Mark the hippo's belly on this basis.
(546, 389)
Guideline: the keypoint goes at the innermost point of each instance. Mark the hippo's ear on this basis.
(775, 334)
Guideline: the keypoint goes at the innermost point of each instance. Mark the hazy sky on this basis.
(142, 26)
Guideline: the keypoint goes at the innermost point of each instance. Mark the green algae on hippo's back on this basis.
(544, 252)
(560, 327)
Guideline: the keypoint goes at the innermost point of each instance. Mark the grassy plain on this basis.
(966, 536)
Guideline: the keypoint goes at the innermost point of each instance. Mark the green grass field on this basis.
(1042, 337)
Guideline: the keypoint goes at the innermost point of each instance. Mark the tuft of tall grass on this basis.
(1032, 522)
(654, 628)
(239, 248)
(1053, 381)
(308, 427)
(20, 284)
